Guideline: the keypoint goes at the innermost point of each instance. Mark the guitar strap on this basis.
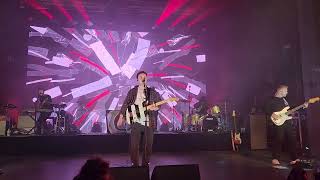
(285, 102)
(147, 100)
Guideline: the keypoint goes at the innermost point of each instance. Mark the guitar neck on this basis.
(235, 124)
(234, 120)
(291, 111)
(159, 103)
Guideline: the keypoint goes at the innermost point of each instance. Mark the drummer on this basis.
(202, 106)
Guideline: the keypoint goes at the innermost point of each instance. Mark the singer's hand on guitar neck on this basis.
(153, 107)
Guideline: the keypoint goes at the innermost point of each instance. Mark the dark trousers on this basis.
(9, 125)
(139, 132)
(283, 134)
(41, 124)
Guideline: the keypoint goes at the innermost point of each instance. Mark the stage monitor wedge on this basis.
(130, 173)
(176, 172)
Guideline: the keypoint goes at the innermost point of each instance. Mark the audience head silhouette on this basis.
(94, 169)
(297, 173)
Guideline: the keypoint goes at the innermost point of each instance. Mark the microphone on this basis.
(144, 83)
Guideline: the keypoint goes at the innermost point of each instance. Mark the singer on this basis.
(141, 94)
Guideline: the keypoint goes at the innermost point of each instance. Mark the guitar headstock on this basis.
(313, 100)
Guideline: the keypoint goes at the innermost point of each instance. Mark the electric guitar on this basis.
(137, 113)
(235, 136)
(280, 117)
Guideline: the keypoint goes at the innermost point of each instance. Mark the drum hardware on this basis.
(60, 121)
(189, 104)
(210, 122)
(186, 116)
(173, 119)
(195, 124)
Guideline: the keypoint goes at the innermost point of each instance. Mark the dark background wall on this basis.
(255, 46)
(309, 27)
(13, 52)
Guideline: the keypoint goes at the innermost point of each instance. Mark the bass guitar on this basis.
(235, 135)
(280, 117)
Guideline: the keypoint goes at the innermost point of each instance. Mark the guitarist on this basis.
(277, 103)
(138, 95)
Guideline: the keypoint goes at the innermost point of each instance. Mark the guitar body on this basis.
(235, 136)
(283, 117)
(235, 140)
(284, 114)
(138, 114)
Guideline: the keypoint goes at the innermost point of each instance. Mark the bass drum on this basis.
(113, 117)
(210, 123)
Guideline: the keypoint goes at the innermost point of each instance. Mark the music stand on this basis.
(8, 120)
(35, 121)
(147, 100)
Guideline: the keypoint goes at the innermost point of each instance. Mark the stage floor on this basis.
(114, 143)
(223, 165)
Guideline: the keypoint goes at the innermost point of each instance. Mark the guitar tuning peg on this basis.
(233, 113)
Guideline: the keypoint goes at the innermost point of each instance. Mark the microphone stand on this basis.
(36, 117)
(147, 118)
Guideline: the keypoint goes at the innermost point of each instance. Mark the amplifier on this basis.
(258, 131)
(2, 125)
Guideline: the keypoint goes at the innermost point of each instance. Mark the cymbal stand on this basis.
(189, 109)
(58, 129)
(172, 118)
(225, 115)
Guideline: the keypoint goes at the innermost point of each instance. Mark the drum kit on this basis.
(211, 121)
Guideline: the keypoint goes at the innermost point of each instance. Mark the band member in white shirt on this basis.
(138, 95)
